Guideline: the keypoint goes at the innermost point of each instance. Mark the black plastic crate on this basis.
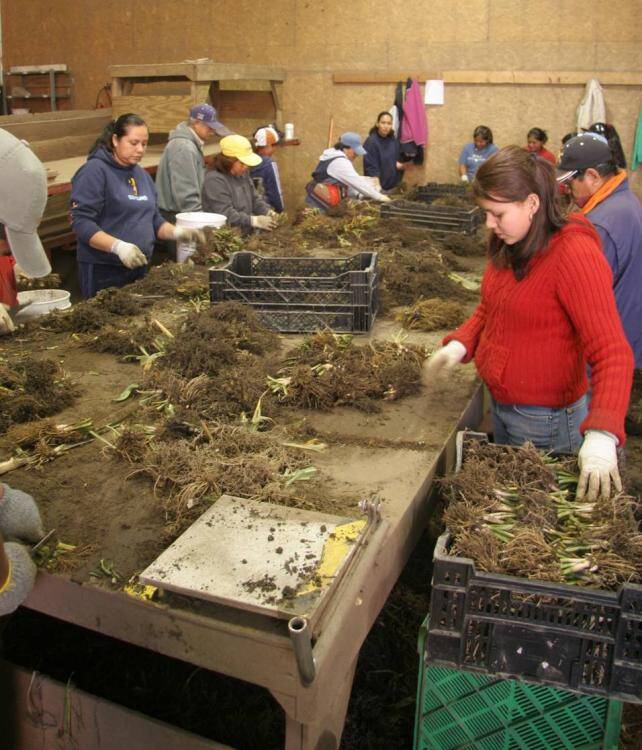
(432, 190)
(294, 295)
(564, 635)
(439, 219)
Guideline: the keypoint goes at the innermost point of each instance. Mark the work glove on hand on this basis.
(597, 460)
(19, 516)
(130, 255)
(188, 234)
(384, 198)
(263, 222)
(19, 273)
(22, 576)
(6, 323)
(446, 358)
(464, 178)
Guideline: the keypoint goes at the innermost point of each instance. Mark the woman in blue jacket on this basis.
(474, 154)
(382, 157)
(114, 209)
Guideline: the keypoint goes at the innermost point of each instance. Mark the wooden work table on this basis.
(251, 646)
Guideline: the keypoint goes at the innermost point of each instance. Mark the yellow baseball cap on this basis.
(238, 147)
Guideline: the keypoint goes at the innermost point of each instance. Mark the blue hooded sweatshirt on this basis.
(382, 155)
(268, 171)
(618, 220)
(115, 199)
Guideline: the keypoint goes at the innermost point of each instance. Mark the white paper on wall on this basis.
(434, 92)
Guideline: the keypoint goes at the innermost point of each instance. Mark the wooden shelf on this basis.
(498, 77)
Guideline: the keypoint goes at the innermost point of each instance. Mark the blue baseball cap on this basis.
(206, 114)
(353, 141)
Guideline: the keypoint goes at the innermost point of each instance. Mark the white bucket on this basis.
(40, 302)
(195, 220)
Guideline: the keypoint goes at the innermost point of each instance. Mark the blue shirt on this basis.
(381, 159)
(473, 157)
(116, 199)
(618, 220)
(268, 171)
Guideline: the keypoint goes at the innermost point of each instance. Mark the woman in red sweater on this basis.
(547, 309)
(535, 140)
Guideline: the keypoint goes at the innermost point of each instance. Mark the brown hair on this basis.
(222, 163)
(510, 176)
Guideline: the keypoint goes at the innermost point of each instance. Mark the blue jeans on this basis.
(556, 430)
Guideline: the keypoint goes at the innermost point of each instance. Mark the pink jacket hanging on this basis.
(414, 126)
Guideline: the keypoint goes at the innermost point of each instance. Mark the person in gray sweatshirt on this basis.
(179, 180)
(228, 189)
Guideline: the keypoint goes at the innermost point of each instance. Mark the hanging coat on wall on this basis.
(592, 108)
(414, 127)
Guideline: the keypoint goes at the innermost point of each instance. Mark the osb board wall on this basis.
(312, 40)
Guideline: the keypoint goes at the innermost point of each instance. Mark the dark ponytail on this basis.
(538, 134)
(119, 128)
(510, 176)
(483, 131)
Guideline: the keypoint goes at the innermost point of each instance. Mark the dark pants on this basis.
(96, 276)
(168, 246)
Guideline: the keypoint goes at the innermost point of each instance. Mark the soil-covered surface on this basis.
(171, 404)
(165, 404)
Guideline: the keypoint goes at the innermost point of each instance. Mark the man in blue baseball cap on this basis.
(601, 191)
(179, 180)
(335, 177)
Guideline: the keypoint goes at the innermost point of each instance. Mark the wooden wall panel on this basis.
(313, 40)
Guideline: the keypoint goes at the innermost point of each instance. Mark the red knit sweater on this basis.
(531, 339)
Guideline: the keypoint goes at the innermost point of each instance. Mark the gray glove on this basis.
(263, 222)
(189, 234)
(22, 576)
(19, 516)
(131, 256)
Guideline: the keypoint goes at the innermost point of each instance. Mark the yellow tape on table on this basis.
(334, 552)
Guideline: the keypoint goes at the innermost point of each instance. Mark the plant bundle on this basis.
(433, 314)
(513, 510)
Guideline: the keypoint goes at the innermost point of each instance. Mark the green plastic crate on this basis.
(459, 710)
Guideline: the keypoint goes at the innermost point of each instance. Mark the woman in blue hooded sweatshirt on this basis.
(114, 210)
(382, 157)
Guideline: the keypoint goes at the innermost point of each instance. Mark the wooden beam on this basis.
(206, 71)
(498, 77)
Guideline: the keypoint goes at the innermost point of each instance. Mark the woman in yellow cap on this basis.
(228, 189)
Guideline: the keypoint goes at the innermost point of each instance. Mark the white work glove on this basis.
(6, 323)
(130, 255)
(446, 358)
(19, 274)
(22, 576)
(19, 516)
(597, 460)
(263, 222)
(188, 234)
(384, 198)
(464, 178)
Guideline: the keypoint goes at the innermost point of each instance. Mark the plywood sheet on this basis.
(161, 113)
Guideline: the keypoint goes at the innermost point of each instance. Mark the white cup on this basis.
(289, 131)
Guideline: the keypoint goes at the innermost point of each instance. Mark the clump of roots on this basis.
(32, 389)
(219, 245)
(213, 339)
(329, 370)
(433, 314)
